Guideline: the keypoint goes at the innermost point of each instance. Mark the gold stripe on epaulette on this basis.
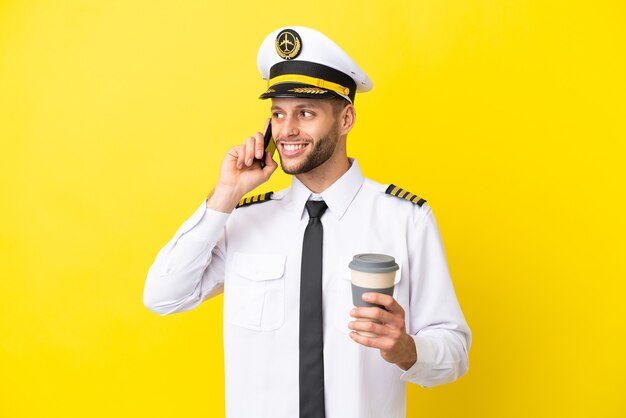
(250, 200)
(403, 194)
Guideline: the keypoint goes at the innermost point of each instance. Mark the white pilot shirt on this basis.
(253, 255)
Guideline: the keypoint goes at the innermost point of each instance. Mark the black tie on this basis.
(311, 330)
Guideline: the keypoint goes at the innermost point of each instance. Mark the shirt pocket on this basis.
(254, 292)
(341, 291)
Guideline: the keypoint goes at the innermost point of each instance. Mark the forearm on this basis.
(442, 357)
(223, 199)
(436, 322)
(188, 269)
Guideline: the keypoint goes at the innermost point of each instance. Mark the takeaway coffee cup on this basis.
(371, 273)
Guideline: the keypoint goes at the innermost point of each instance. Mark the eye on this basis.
(277, 115)
(307, 114)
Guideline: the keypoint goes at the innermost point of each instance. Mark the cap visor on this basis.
(298, 90)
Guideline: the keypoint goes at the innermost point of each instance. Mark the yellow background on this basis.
(507, 116)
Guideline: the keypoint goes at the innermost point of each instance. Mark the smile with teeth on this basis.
(293, 147)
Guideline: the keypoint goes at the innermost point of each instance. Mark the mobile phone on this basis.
(269, 144)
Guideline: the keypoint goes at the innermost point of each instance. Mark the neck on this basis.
(324, 175)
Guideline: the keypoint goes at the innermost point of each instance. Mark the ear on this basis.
(347, 117)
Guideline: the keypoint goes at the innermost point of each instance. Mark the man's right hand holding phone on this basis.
(241, 173)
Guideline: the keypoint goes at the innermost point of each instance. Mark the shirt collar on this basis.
(338, 196)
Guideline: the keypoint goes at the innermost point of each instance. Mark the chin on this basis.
(291, 169)
(292, 165)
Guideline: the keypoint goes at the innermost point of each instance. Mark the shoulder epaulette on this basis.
(251, 200)
(403, 194)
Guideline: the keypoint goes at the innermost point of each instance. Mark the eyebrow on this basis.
(308, 105)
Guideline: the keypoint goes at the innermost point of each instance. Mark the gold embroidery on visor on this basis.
(299, 78)
(308, 90)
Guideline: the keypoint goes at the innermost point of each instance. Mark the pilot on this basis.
(292, 344)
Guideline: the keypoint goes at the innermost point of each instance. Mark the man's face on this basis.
(306, 132)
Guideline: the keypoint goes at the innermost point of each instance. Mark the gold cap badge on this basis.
(288, 44)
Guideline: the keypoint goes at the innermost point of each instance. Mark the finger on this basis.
(378, 314)
(259, 145)
(239, 153)
(381, 343)
(249, 151)
(369, 327)
(385, 300)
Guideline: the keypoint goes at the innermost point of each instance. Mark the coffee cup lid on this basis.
(373, 263)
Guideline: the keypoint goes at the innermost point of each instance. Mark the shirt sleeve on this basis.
(190, 268)
(434, 320)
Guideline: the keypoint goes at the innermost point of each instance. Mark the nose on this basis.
(288, 128)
